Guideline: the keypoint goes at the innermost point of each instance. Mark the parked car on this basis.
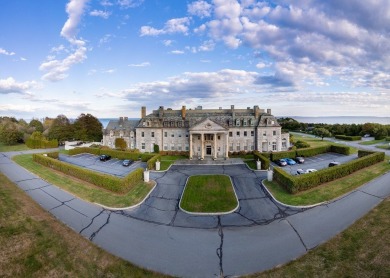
(299, 159)
(310, 171)
(127, 162)
(301, 171)
(281, 162)
(366, 135)
(105, 157)
(290, 161)
(334, 163)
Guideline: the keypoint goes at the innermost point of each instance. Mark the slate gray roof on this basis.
(121, 124)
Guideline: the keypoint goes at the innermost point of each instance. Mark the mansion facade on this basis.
(201, 132)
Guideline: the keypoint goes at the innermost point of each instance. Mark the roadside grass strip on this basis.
(13, 148)
(209, 194)
(85, 190)
(168, 160)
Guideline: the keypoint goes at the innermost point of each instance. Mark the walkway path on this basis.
(157, 235)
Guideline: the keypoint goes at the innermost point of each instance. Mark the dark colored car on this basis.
(299, 159)
(105, 157)
(281, 162)
(127, 162)
(334, 163)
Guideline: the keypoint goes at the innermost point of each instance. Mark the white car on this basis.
(310, 171)
(301, 171)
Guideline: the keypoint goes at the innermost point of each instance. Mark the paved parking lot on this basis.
(113, 166)
(318, 162)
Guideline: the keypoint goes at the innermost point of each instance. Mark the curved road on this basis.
(158, 236)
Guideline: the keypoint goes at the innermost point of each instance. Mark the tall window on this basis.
(142, 134)
(238, 147)
(274, 146)
(238, 133)
(142, 146)
(165, 134)
(245, 133)
(230, 134)
(252, 133)
(274, 132)
(152, 134)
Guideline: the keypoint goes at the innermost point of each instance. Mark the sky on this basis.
(110, 57)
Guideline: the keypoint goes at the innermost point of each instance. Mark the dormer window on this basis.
(237, 122)
(245, 122)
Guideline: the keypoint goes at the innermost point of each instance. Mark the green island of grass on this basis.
(209, 194)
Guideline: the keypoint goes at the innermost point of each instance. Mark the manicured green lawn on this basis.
(209, 193)
(84, 190)
(385, 146)
(168, 160)
(331, 190)
(13, 148)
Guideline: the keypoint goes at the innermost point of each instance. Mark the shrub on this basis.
(345, 150)
(295, 184)
(265, 162)
(152, 162)
(285, 154)
(53, 155)
(301, 144)
(156, 148)
(113, 153)
(348, 138)
(41, 144)
(178, 153)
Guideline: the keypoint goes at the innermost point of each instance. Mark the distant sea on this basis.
(342, 120)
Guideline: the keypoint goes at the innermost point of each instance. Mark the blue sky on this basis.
(110, 57)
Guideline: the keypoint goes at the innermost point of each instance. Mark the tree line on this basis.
(378, 131)
(85, 128)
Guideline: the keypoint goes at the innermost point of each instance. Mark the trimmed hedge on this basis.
(53, 155)
(105, 181)
(265, 162)
(112, 153)
(152, 162)
(340, 149)
(183, 153)
(313, 151)
(348, 138)
(41, 144)
(294, 184)
(285, 154)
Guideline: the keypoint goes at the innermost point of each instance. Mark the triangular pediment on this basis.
(207, 125)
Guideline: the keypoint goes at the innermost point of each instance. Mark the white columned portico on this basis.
(190, 145)
(215, 145)
(227, 145)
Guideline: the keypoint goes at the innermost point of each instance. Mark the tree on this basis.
(61, 129)
(120, 143)
(379, 132)
(322, 132)
(88, 128)
(36, 124)
(10, 133)
(156, 148)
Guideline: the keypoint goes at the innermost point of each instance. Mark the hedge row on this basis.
(182, 153)
(54, 155)
(152, 161)
(340, 149)
(41, 144)
(362, 153)
(294, 184)
(313, 151)
(265, 162)
(108, 182)
(348, 138)
(285, 154)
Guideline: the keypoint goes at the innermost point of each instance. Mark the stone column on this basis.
(215, 145)
(227, 145)
(190, 145)
(202, 145)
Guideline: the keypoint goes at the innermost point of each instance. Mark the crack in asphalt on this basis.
(219, 250)
(371, 194)
(32, 189)
(63, 203)
(93, 219)
(94, 234)
(28, 180)
(299, 236)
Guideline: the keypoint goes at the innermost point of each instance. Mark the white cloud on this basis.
(125, 4)
(5, 52)
(172, 26)
(177, 52)
(144, 64)
(199, 8)
(10, 85)
(58, 69)
(167, 42)
(102, 14)
(106, 3)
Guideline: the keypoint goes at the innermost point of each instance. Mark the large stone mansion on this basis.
(201, 132)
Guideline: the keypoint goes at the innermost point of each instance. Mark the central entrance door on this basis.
(208, 150)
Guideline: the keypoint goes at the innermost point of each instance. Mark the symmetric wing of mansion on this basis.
(201, 132)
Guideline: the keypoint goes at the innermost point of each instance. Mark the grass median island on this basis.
(85, 190)
(209, 193)
(330, 190)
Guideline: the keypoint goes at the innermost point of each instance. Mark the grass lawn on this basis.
(33, 243)
(168, 160)
(372, 142)
(330, 190)
(82, 189)
(383, 146)
(317, 142)
(13, 148)
(209, 193)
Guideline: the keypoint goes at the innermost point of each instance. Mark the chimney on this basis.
(269, 111)
(183, 112)
(257, 111)
(233, 113)
(126, 119)
(161, 112)
(143, 112)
